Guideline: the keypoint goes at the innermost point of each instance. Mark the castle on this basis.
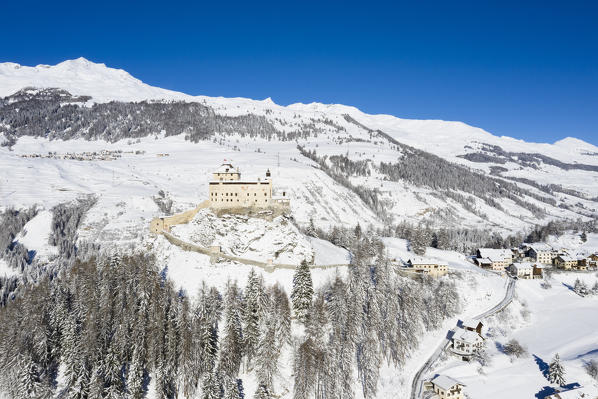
(227, 190)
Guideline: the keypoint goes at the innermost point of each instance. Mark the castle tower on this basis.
(226, 172)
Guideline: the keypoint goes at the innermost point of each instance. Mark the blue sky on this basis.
(528, 71)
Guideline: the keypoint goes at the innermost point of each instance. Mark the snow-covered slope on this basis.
(82, 77)
(560, 180)
(248, 237)
(444, 138)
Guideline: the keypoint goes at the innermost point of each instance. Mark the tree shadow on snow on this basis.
(570, 287)
(500, 347)
(30, 255)
(545, 391)
(588, 353)
(542, 365)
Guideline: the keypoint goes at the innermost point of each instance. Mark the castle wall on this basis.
(157, 225)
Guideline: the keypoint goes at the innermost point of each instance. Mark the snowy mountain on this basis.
(419, 171)
(90, 155)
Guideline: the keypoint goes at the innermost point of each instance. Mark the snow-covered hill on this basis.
(374, 171)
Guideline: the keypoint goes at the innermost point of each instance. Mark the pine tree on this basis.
(556, 373)
(357, 232)
(419, 241)
(251, 316)
(311, 229)
(211, 387)
(268, 352)
(29, 382)
(580, 288)
(233, 389)
(303, 291)
(231, 351)
(583, 236)
(262, 393)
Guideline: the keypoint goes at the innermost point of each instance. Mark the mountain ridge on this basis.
(419, 171)
(74, 76)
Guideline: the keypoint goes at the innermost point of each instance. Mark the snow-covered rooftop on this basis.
(495, 254)
(467, 336)
(524, 265)
(445, 382)
(424, 261)
(567, 258)
(226, 168)
(539, 246)
(576, 393)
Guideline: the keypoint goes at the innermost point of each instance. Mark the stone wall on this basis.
(157, 225)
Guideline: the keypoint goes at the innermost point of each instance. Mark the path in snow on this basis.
(269, 267)
(418, 382)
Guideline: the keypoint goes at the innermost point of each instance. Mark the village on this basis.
(103, 155)
(528, 261)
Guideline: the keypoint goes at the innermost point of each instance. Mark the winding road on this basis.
(418, 381)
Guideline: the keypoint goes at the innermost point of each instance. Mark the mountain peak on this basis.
(81, 76)
(80, 62)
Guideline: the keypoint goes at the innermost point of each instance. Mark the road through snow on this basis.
(418, 382)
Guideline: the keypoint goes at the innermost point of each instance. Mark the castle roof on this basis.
(226, 168)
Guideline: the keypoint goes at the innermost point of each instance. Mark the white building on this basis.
(541, 252)
(526, 270)
(499, 258)
(465, 343)
(429, 267)
(445, 387)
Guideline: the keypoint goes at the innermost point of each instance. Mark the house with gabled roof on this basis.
(526, 270)
(471, 325)
(429, 267)
(565, 262)
(445, 387)
(499, 258)
(541, 252)
(466, 343)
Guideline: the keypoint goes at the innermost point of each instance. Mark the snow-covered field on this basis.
(35, 235)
